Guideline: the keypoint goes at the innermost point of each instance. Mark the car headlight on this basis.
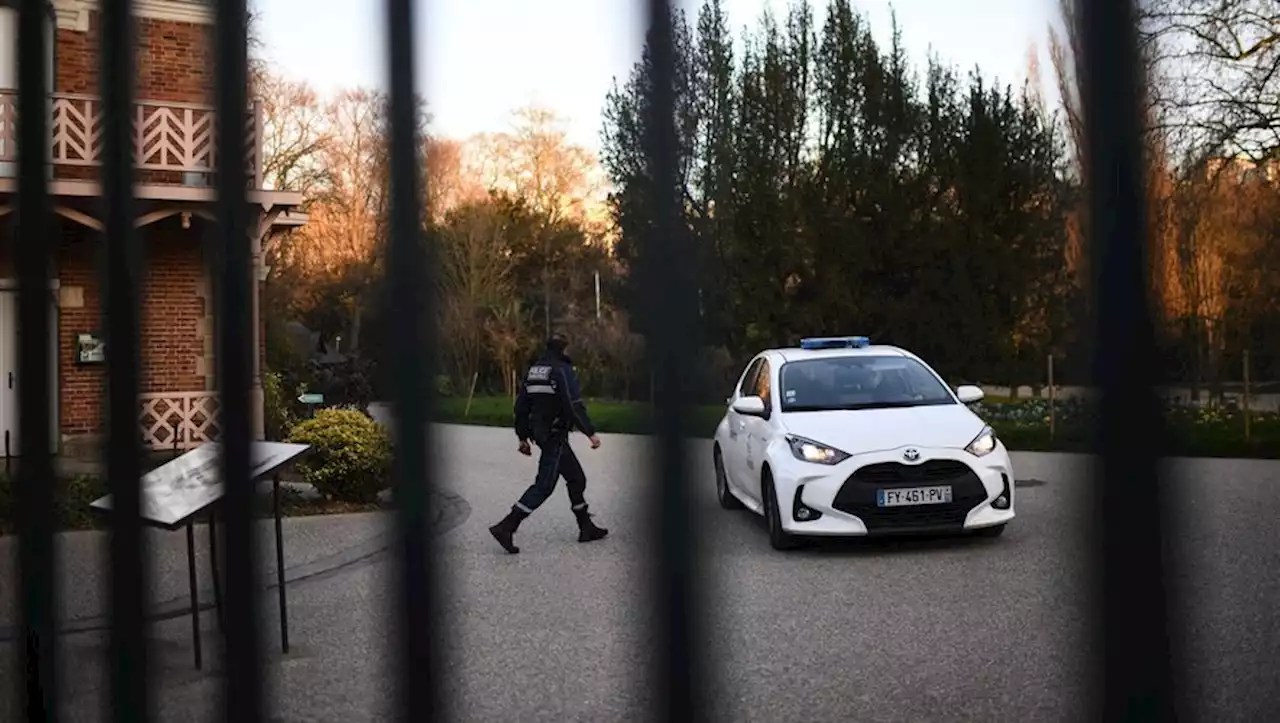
(807, 450)
(983, 444)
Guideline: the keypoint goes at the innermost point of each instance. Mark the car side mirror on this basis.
(752, 406)
(968, 393)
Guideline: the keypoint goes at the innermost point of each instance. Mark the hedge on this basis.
(609, 417)
(1023, 425)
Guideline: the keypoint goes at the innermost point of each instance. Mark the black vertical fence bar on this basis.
(1131, 599)
(119, 273)
(409, 280)
(34, 482)
(243, 679)
(667, 287)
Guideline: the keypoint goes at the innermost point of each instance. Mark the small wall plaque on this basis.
(90, 348)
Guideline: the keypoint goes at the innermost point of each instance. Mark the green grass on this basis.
(1186, 438)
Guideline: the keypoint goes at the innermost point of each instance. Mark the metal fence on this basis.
(1133, 653)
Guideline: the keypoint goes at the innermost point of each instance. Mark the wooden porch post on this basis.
(257, 400)
(256, 397)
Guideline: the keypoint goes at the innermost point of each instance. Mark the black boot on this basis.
(504, 530)
(587, 530)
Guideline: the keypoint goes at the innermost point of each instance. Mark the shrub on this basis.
(277, 405)
(71, 500)
(345, 383)
(350, 458)
(72, 503)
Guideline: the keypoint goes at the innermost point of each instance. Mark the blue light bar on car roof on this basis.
(835, 342)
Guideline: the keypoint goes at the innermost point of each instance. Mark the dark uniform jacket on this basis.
(550, 400)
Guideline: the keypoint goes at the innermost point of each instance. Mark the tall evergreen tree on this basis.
(830, 189)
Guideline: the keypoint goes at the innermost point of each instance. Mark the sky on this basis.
(478, 60)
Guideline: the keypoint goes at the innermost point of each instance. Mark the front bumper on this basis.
(842, 500)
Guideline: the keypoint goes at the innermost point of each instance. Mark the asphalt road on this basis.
(942, 630)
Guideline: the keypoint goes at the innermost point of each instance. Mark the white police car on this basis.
(841, 437)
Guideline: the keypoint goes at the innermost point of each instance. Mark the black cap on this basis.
(557, 342)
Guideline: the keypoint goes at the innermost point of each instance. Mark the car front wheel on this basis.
(779, 538)
(727, 500)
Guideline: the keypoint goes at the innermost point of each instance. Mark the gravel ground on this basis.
(932, 630)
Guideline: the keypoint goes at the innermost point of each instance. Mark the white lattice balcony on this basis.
(178, 420)
(174, 143)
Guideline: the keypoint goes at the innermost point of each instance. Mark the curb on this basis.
(452, 511)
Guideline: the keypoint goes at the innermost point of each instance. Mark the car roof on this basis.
(796, 354)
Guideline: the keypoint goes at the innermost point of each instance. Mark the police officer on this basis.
(548, 408)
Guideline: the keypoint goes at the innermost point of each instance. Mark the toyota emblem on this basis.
(911, 455)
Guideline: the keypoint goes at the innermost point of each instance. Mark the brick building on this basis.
(175, 200)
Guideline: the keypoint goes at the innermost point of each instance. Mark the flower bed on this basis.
(1191, 431)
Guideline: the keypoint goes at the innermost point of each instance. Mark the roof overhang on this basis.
(291, 218)
(158, 192)
(73, 200)
(74, 14)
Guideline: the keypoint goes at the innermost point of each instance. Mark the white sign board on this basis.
(178, 489)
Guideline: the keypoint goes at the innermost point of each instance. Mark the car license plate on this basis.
(904, 496)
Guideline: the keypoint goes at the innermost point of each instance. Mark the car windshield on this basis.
(859, 382)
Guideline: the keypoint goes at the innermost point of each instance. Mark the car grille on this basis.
(857, 496)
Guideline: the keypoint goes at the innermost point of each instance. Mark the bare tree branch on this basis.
(1220, 62)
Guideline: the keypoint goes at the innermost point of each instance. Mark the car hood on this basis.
(873, 430)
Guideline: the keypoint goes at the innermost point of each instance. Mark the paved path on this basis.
(312, 546)
(924, 631)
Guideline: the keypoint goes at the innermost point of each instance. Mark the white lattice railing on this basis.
(168, 137)
(189, 417)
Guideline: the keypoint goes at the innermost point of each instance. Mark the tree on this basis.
(828, 190)
(509, 329)
(537, 163)
(1220, 61)
(332, 265)
(475, 281)
(447, 180)
(557, 180)
(624, 158)
(1164, 259)
(295, 132)
(1210, 89)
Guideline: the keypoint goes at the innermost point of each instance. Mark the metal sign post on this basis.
(312, 401)
(177, 492)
